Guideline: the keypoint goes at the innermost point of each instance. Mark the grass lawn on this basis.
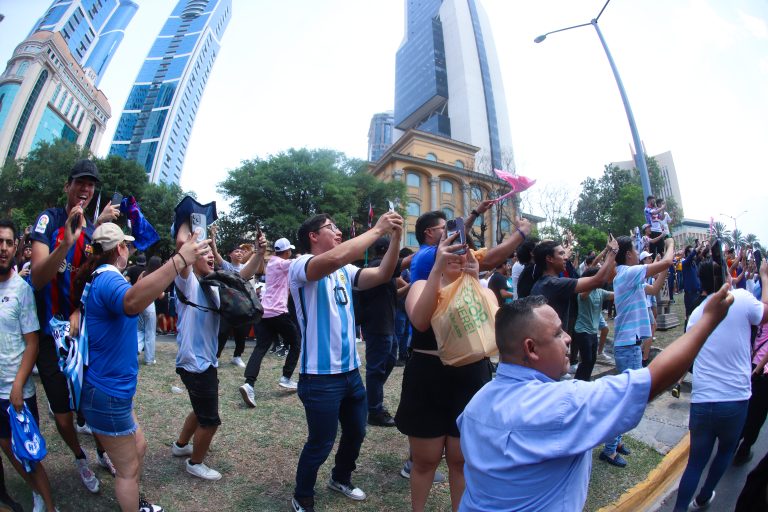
(257, 449)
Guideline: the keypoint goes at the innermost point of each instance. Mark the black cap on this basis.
(141, 259)
(84, 169)
(381, 245)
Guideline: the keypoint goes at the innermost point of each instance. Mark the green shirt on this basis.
(588, 319)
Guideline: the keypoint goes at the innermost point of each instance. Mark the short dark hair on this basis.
(425, 221)
(660, 201)
(625, 245)
(381, 245)
(649, 198)
(525, 250)
(308, 226)
(8, 223)
(589, 272)
(513, 320)
(405, 251)
(710, 276)
(687, 250)
(590, 259)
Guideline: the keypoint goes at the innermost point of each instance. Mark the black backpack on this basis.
(239, 303)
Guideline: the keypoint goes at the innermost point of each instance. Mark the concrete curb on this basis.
(648, 493)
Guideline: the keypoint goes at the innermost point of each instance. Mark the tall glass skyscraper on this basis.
(156, 123)
(447, 78)
(380, 135)
(93, 29)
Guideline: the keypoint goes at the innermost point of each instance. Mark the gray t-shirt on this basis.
(18, 317)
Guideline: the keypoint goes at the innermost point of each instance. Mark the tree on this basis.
(736, 239)
(556, 204)
(279, 192)
(720, 231)
(752, 240)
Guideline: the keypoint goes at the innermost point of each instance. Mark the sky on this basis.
(307, 73)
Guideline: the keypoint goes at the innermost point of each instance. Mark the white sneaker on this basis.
(287, 383)
(106, 463)
(202, 471)
(87, 476)
(38, 505)
(246, 391)
(176, 390)
(85, 429)
(145, 506)
(237, 361)
(350, 491)
(181, 451)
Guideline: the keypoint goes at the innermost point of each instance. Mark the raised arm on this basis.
(45, 264)
(255, 264)
(422, 299)
(323, 264)
(479, 210)
(663, 264)
(667, 368)
(586, 284)
(370, 277)
(212, 232)
(497, 255)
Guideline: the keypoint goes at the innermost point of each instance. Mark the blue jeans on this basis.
(627, 358)
(147, 332)
(380, 356)
(330, 400)
(403, 333)
(710, 421)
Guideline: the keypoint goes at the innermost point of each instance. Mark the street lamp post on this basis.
(639, 152)
(734, 218)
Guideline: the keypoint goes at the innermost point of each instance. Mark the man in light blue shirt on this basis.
(527, 438)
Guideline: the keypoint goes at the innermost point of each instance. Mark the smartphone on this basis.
(457, 226)
(117, 198)
(391, 206)
(198, 225)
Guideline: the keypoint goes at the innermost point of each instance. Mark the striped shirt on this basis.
(326, 317)
(632, 321)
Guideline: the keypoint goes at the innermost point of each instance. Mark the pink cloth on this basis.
(761, 342)
(517, 182)
(275, 298)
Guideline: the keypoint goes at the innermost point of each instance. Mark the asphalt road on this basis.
(729, 487)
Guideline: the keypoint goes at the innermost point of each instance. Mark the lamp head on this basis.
(540, 38)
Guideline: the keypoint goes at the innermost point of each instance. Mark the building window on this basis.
(56, 93)
(446, 187)
(459, 164)
(506, 225)
(413, 180)
(414, 209)
(16, 140)
(22, 68)
(476, 193)
(431, 157)
(410, 239)
(448, 213)
(89, 139)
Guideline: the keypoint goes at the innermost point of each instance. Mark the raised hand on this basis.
(73, 225)
(446, 251)
(192, 249)
(389, 222)
(109, 213)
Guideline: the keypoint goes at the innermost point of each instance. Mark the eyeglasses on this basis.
(331, 225)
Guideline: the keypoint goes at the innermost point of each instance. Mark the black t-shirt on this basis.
(558, 291)
(133, 272)
(496, 283)
(376, 305)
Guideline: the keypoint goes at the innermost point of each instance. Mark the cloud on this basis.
(755, 26)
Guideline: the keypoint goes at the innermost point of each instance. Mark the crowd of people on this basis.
(516, 434)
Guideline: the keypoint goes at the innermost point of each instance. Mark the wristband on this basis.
(475, 213)
(182, 259)
(174, 264)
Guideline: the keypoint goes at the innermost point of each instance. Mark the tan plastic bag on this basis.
(463, 323)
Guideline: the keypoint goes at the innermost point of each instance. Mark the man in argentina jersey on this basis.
(58, 251)
(330, 386)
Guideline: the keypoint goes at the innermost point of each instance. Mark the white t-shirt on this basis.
(664, 221)
(198, 337)
(517, 269)
(18, 316)
(721, 372)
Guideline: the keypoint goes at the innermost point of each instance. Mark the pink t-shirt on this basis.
(761, 342)
(275, 298)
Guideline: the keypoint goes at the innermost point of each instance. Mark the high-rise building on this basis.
(46, 95)
(380, 134)
(92, 29)
(156, 123)
(670, 186)
(447, 79)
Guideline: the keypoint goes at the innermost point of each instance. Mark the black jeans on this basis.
(266, 333)
(587, 344)
(239, 333)
(757, 412)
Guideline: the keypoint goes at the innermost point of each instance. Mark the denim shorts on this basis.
(105, 414)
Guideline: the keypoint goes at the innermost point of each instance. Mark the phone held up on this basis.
(456, 225)
(198, 225)
(117, 198)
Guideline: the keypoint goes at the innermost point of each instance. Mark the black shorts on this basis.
(434, 395)
(203, 389)
(54, 381)
(5, 420)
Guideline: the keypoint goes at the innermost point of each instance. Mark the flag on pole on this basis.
(370, 215)
(352, 229)
(517, 182)
(96, 211)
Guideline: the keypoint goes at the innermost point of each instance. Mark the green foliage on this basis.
(587, 238)
(279, 192)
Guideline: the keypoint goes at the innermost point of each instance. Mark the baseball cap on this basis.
(141, 260)
(84, 169)
(108, 235)
(643, 255)
(283, 244)
(646, 226)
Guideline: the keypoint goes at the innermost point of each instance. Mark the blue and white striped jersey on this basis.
(326, 317)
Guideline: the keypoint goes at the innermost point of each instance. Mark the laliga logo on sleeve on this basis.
(42, 224)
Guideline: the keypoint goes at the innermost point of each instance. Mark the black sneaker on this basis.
(302, 504)
(381, 419)
(145, 506)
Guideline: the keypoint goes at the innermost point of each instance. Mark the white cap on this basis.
(108, 235)
(644, 254)
(283, 244)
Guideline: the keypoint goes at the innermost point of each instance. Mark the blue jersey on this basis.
(56, 297)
